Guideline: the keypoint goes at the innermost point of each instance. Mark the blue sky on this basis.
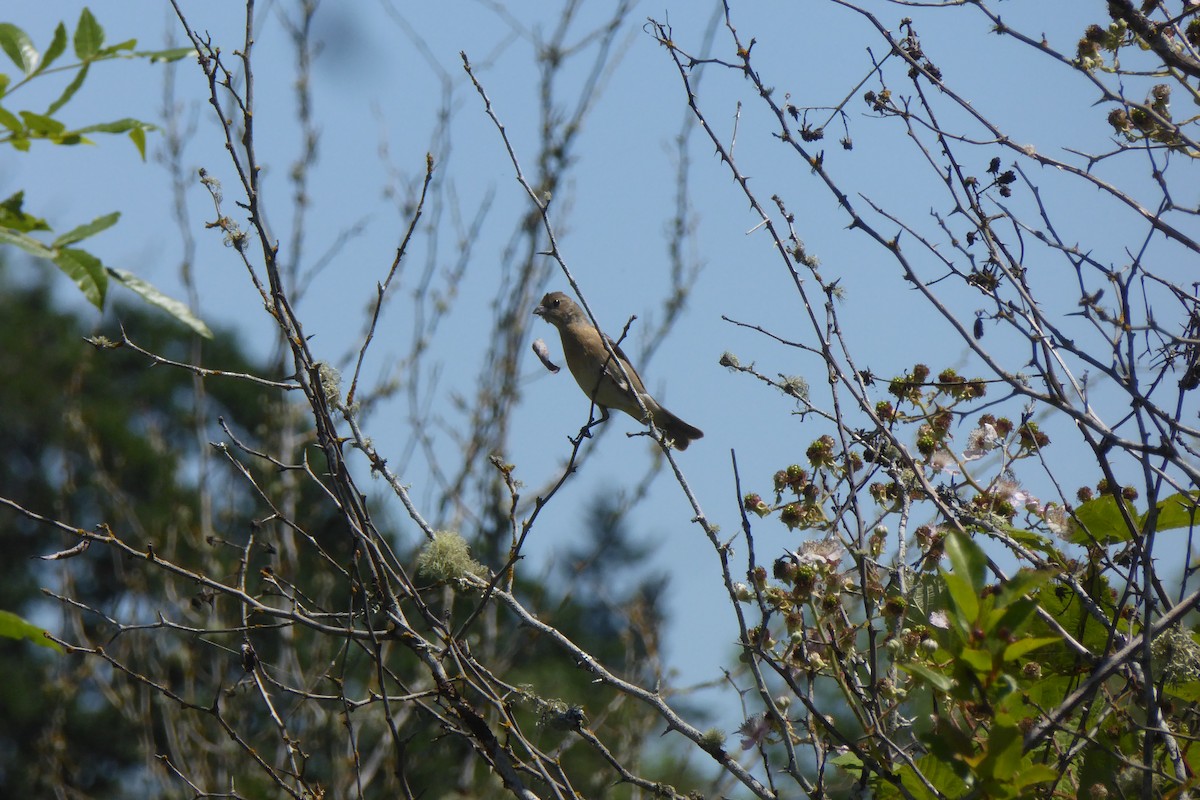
(373, 84)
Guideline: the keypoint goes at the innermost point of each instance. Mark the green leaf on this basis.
(1010, 620)
(26, 243)
(13, 216)
(1062, 603)
(113, 49)
(1177, 511)
(14, 627)
(980, 661)
(964, 603)
(1100, 766)
(927, 594)
(90, 229)
(138, 137)
(89, 36)
(1034, 541)
(4, 81)
(965, 582)
(1189, 691)
(941, 682)
(42, 125)
(1026, 581)
(1023, 646)
(87, 272)
(1004, 750)
(8, 120)
(938, 771)
(1034, 773)
(151, 295)
(174, 54)
(19, 47)
(70, 90)
(1100, 520)
(58, 46)
(967, 558)
(849, 762)
(117, 126)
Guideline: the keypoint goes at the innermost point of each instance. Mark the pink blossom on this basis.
(980, 441)
(754, 731)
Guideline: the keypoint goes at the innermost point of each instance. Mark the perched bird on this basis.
(600, 377)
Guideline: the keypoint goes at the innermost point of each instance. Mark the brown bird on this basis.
(600, 377)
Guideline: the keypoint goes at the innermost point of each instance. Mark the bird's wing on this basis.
(614, 371)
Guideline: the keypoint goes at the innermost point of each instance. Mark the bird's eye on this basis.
(556, 302)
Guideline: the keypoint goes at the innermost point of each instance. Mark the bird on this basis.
(599, 376)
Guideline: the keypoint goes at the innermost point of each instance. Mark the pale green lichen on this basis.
(1176, 655)
(447, 557)
(713, 740)
(331, 382)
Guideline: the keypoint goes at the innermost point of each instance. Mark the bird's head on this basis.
(558, 309)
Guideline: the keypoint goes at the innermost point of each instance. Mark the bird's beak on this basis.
(539, 310)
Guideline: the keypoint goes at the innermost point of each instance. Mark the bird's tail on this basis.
(675, 428)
